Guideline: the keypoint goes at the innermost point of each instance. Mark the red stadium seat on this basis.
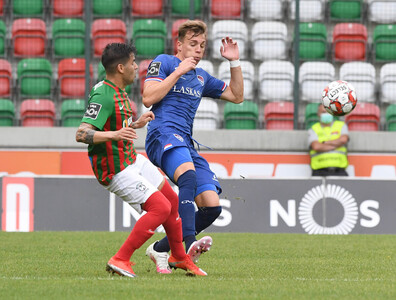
(106, 31)
(175, 33)
(1, 7)
(143, 72)
(350, 42)
(365, 117)
(68, 9)
(226, 9)
(5, 78)
(71, 77)
(147, 8)
(279, 115)
(38, 113)
(29, 37)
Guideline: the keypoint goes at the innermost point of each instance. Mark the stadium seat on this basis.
(365, 117)
(313, 41)
(71, 77)
(34, 77)
(269, 40)
(388, 83)
(72, 111)
(311, 114)
(233, 28)
(5, 78)
(279, 116)
(181, 8)
(383, 172)
(147, 8)
(265, 10)
(143, 65)
(105, 31)
(149, 36)
(37, 113)
(175, 33)
(27, 8)
(2, 7)
(3, 38)
(248, 77)
(390, 117)
(226, 9)
(29, 37)
(382, 11)
(310, 10)
(7, 112)
(349, 42)
(207, 65)
(207, 116)
(241, 116)
(361, 75)
(67, 9)
(384, 42)
(68, 37)
(346, 10)
(314, 77)
(107, 8)
(276, 80)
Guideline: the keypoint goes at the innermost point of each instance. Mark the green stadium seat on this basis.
(346, 10)
(313, 41)
(7, 112)
(34, 77)
(68, 36)
(384, 40)
(72, 111)
(311, 114)
(24, 8)
(149, 36)
(241, 116)
(102, 76)
(390, 117)
(182, 8)
(3, 33)
(102, 8)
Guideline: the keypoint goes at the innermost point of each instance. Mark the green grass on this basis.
(71, 265)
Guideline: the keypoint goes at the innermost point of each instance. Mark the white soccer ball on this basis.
(339, 98)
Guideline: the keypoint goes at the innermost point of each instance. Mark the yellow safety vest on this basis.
(335, 158)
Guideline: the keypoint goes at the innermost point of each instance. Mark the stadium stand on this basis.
(1, 7)
(269, 40)
(34, 77)
(5, 78)
(207, 117)
(349, 42)
(241, 116)
(384, 42)
(313, 41)
(181, 8)
(234, 28)
(314, 77)
(27, 8)
(149, 36)
(144, 64)
(175, 33)
(279, 115)
(29, 37)
(71, 112)
(67, 9)
(311, 114)
(107, 8)
(7, 112)
(226, 9)
(106, 31)
(388, 83)
(37, 113)
(310, 10)
(68, 37)
(3, 38)
(266, 10)
(71, 77)
(207, 65)
(382, 11)
(390, 116)
(365, 117)
(346, 10)
(147, 8)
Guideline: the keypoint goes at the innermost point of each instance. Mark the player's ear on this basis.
(120, 68)
(179, 46)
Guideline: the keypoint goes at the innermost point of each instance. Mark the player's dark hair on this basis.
(115, 54)
(196, 26)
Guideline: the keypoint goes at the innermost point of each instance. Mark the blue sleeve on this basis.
(159, 68)
(213, 87)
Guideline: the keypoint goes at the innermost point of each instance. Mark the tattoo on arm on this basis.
(85, 133)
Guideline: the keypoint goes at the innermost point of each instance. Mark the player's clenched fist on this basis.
(186, 65)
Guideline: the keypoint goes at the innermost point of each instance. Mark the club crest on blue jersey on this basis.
(201, 79)
(178, 137)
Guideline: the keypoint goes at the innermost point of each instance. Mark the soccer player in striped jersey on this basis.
(108, 128)
(174, 87)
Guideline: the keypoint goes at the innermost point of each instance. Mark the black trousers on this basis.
(329, 172)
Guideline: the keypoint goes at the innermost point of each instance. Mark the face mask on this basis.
(326, 118)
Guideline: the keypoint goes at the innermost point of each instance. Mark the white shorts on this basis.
(137, 182)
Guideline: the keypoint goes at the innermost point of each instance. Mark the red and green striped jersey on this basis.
(109, 109)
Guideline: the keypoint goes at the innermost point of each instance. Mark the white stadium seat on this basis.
(314, 77)
(207, 116)
(266, 10)
(388, 83)
(207, 65)
(382, 11)
(383, 171)
(269, 40)
(310, 10)
(235, 29)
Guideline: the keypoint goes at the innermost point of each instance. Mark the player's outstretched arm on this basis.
(234, 91)
(89, 134)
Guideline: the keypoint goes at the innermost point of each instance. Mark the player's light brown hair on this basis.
(196, 26)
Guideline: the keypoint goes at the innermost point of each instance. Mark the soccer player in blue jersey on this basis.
(174, 87)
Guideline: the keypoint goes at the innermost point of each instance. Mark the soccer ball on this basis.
(339, 98)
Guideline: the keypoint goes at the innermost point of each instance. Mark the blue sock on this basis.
(205, 216)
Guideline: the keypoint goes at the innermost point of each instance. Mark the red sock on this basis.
(158, 210)
(173, 225)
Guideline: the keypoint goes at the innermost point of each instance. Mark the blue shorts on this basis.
(158, 142)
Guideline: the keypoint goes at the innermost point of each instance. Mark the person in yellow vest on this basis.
(327, 141)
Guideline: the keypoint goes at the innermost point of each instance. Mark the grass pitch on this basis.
(71, 265)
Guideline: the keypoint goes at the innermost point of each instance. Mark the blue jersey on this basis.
(176, 111)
